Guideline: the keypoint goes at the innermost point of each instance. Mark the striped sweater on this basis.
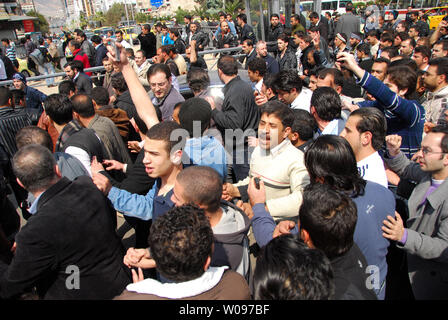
(404, 117)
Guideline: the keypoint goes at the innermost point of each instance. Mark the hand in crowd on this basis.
(111, 54)
(246, 208)
(393, 228)
(229, 191)
(349, 106)
(95, 166)
(393, 143)
(252, 141)
(112, 99)
(137, 277)
(113, 165)
(134, 146)
(260, 98)
(102, 183)
(392, 177)
(283, 227)
(428, 126)
(347, 60)
(139, 258)
(256, 195)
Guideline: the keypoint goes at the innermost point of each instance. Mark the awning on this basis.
(21, 18)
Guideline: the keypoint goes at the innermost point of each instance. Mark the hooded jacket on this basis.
(434, 104)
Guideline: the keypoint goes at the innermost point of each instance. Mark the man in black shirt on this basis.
(147, 41)
(246, 30)
(192, 59)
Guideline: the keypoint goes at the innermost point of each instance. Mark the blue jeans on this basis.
(49, 69)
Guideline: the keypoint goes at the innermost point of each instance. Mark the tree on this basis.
(141, 17)
(114, 14)
(99, 18)
(233, 6)
(42, 24)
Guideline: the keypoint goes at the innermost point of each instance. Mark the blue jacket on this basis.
(145, 207)
(206, 151)
(34, 98)
(100, 53)
(373, 207)
(404, 117)
(166, 40)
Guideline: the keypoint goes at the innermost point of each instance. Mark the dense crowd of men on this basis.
(322, 175)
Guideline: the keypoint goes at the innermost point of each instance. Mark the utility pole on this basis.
(126, 8)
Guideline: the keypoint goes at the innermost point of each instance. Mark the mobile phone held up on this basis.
(257, 183)
(117, 51)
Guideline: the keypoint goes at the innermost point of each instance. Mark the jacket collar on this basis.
(52, 191)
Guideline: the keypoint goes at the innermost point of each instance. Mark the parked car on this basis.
(435, 15)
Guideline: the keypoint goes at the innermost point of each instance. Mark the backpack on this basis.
(37, 57)
(46, 55)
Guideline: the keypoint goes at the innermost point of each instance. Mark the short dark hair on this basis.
(269, 81)
(382, 60)
(228, 65)
(202, 186)
(164, 131)
(425, 51)
(75, 43)
(243, 17)
(442, 66)
(100, 95)
(131, 51)
(175, 32)
(404, 24)
(327, 103)
(83, 105)
(387, 37)
(249, 42)
(313, 15)
(287, 269)
(442, 129)
(304, 124)
(296, 17)
(331, 158)
(198, 79)
(364, 47)
(33, 135)
(280, 111)
(66, 86)
(158, 67)
(338, 77)
(119, 31)
(391, 51)
(17, 96)
(331, 224)
(286, 80)
(275, 15)
(444, 44)
(374, 121)
(5, 96)
(96, 39)
(373, 33)
(59, 108)
(34, 166)
(257, 64)
(180, 242)
(404, 77)
(76, 64)
(402, 35)
(118, 83)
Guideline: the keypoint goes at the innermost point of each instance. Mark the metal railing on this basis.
(101, 68)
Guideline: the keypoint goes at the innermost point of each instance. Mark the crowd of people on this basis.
(323, 176)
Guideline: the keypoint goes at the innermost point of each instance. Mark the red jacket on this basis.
(83, 58)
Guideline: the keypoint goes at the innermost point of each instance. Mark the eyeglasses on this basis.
(425, 151)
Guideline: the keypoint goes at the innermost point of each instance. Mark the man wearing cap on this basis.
(355, 40)
(340, 44)
(348, 23)
(34, 98)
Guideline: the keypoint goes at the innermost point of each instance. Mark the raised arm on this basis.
(142, 102)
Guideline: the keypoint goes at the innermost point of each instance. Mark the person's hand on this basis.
(134, 256)
(134, 146)
(252, 141)
(137, 277)
(102, 183)
(428, 126)
(347, 60)
(392, 177)
(155, 59)
(260, 98)
(229, 191)
(256, 195)
(112, 99)
(393, 143)
(349, 106)
(113, 165)
(111, 54)
(95, 166)
(246, 208)
(393, 228)
(283, 227)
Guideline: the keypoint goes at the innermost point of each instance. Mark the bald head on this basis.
(33, 135)
(83, 105)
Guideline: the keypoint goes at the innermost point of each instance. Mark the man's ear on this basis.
(207, 263)
(305, 236)
(366, 138)
(176, 157)
(76, 115)
(402, 92)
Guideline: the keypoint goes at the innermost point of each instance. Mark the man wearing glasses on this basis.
(424, 236)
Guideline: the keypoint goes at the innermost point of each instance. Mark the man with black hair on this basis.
(84, 112)
(73, 139)
(365, 130)
(290, 90)
(440, 49)
(239, 111)
(407, 47)
(67, 88)
(302, 129)
(287, 269)
(201, 38)
(389, 53)
(421, 57)
(226, 39)
(186, 264)
(274, 31)
(120, 39)
(85, 46)
(363, 56)
(75, 72)
(322, 24)
(178, 59)
(423, 27)
(276, 162)
(296, 24)
(422, 236)
(249, 50)
(435, 81)
(285, 56)
(267, 92)
(414, 32)
(163, 57)
(326, 109)
(73, 228)
(179, 44)
(247, 33)
(256, 70)
(147, 41)
(373, 38)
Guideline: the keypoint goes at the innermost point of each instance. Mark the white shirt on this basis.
(372, 169)
(303, 100)
(125, 44)
(3, 75)
(259, 84)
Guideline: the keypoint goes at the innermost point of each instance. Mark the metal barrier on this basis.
(101, 68)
